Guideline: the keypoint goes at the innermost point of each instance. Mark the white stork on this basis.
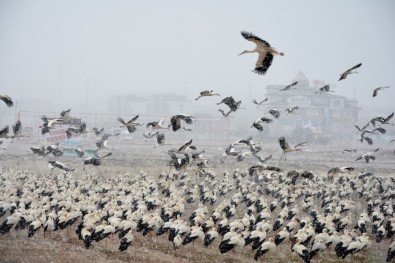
(286, 148)
(324, 89)
(264, 50)
(57, 164)
(257, 123)
(176, 121)
(155, 125)
(376, 90)
(288, 87)
(349, 71)
(207, 93)
(131, 124)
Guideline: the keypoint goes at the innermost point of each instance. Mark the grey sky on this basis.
(49, 48)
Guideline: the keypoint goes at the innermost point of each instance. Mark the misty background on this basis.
(87, 55)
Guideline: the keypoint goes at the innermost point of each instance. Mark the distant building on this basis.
(323, 116)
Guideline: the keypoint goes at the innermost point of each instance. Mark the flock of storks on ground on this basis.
(256, 211)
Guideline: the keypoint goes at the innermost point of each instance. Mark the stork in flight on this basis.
(49, 123)
(97, 131)
(275, 113)
(175, 121)
(286, 148)
(349, 71)
(155, 125)
(376, 90)
(260, 102)
(264, 50)
(257, 124)
(368, 156)
(56, 164)
(288, 87)
(291, 110)
(231, 103)
(160, 137)
(7, 100)
(131, 124)
(187, 147)
(324, 89)
(72, 131)
(207, 93)
(382, 120)
(336, 170)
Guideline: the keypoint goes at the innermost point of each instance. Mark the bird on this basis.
(65, 114)
(157, 125)
(96, 160)
(257, 123)
(264, 50)
(349, 71)
(207, 93)
(324, 89)
(231, 103)
(288, 87)
(130, 125)
(57, 164)
(175, 121)
(286, 148)
(187, 147)
(40, 151)
(102, 143)
(336, 170)
(382, 120)
(73, 131)
(260, 102)
(97, 131)
(376, 90)
(49, 123)
(368, 156)
(291, 110)
(276, 113)
(7, 100)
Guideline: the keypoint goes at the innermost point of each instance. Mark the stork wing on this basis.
(133, 119)
(4, 131)
(175, 123)
(17, 127)
(131, 128)
(263, 63)
(65, 113)
(389, 117)
(187, 119)
(283, 143)
(251, 37)
(300, 144)
(7, 100)
(255, 102)
(375, 91)
(121, 120)
(355, 67)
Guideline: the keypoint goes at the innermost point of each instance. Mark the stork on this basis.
(7, 100)
(96, 160)
(49, 123)
(40, 151)
(288, 87)
(157, 125)
(275, 113)
(57, 164)
(349, 71)
(187, 147)
(102, 143)
(324, 89)
(264, 50)
(160, 137)
(291, 110)
(223, 113)
(260, 102)
(176, 121)
(382, 120)
(286, 148)
(376, 90)
(97, 131)
(368, 156)
(257, 123)
(72, 131)
(131, 124)
(207, 93)
(231, 103)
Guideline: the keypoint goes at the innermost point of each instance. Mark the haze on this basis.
(60, 52)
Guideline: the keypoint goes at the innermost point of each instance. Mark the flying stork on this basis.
(349, 71)
(291, 110)
(276, 113)
(288, 87)
(260, 102)
(96, 160)
(160, 137)
(56, 164)
(231, 103)
(382, 120)
(187, 147)
(368, 156)
(286, 148)
(49, 123)
(324, 89)
(72, 131)
(97, 131)
(264, 50)
(130, 125)
(376, 90)
(257, 123)
(175, 121)
(157, 125)
(7, 100)
(207, 93)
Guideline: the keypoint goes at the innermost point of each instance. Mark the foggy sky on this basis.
(55, 50)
